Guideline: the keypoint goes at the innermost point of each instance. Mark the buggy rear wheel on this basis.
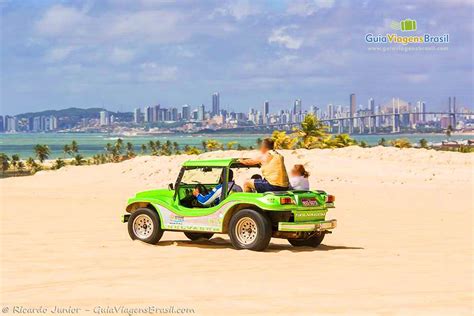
(250, 229)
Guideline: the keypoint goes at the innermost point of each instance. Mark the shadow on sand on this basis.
(220, 243)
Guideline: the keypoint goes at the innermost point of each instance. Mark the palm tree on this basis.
(42, 152)
(67, 150)
(119, 145)
(74, 147)
(152, 146)
(363, 144)
(204, 145)
(283, 141)
(423, 143)
(449, 131)
(382, 142)
(312, 132)
(30, 163)
(175, 146)
(5, 162)
(401, 143)
(21, 166)
(212, 144)
(143, 147)
(230, 145)
(78, 160)
(130, 150)
(339, 141)
(108, 147)
(166, 148)
(192, 151)
(59, 163)
(115, 154)
(14, 162)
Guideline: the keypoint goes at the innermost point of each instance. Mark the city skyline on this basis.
(397, 115)
(116, 54)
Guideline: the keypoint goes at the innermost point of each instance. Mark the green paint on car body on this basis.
(308, 208)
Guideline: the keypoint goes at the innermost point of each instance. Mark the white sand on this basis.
(404, 244)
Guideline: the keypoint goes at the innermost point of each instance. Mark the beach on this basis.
(403, 245)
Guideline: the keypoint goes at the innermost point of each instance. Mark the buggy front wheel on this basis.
(144, 225)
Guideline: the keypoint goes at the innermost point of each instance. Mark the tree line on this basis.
(311, 135)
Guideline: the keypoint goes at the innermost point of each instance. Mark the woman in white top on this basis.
(299, 178)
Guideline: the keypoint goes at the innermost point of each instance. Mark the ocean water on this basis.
(94, 143)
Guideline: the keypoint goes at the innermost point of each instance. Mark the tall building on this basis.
(186, 112)
(266, 108)
(104, 118)
(201, 112)
(166, 114)
(330, 111)
(422, 109)
(297, 107)
(156, 113)
(266, 111)
(174, 114)
(454, 111)
(10, 123)
(372, 105)
(36, 124)
(148, 114)
(137, 115)
(215, 104)
(2, 126)
(53, 123)
(353, 106)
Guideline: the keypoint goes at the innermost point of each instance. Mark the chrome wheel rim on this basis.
(246, 230)
(142, 226)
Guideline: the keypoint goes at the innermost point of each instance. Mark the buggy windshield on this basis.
(205, 175)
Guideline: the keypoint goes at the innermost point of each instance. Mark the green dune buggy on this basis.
(250, 219)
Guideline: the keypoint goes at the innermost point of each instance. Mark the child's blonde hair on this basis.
(301, 170)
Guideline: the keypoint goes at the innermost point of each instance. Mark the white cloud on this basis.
(239, 9)
(121, 56)
(281, 37)
(308, 7)
(58, 54)
(145, 26)
(60, 20)
(416, 78)
(153, 72)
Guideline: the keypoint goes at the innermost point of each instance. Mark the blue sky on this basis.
(124, 54)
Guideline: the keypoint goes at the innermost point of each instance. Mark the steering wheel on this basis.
(202, 189)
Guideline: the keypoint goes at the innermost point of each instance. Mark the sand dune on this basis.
(404, 244)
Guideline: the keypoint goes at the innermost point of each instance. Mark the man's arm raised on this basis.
(250, 162)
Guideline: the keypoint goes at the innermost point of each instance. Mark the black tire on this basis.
(150, 235)
(196, 236)
(313, 241)
(260, 238)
